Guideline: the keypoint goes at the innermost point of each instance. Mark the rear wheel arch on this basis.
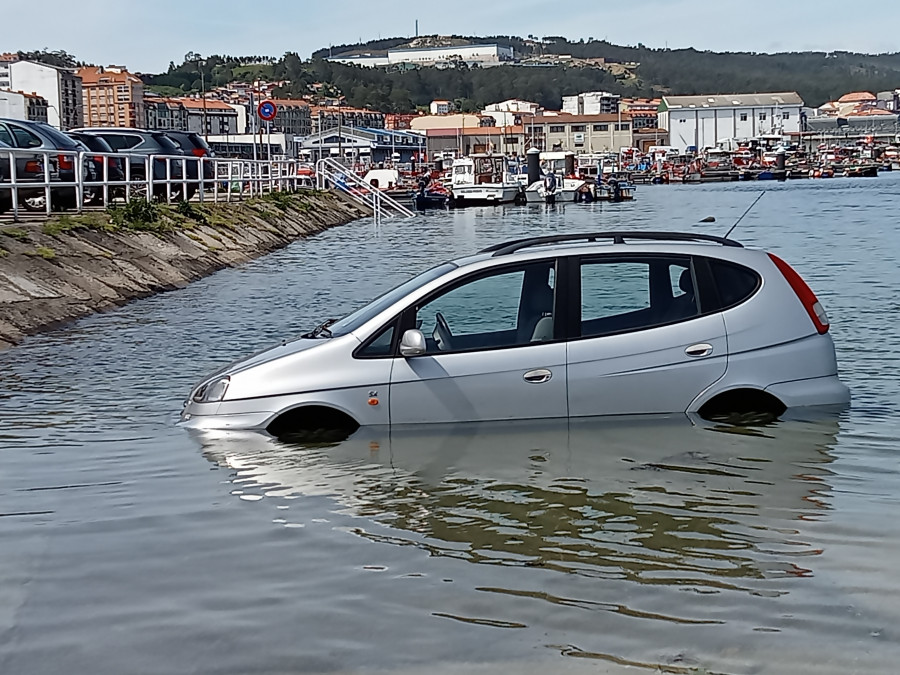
(738, 402)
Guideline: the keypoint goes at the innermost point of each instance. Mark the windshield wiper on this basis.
(321, 329)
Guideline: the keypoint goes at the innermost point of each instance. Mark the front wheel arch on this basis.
(313, 422)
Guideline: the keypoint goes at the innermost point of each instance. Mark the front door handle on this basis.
(702, 349)
(537, 376)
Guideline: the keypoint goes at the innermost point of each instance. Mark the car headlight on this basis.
(212, 391)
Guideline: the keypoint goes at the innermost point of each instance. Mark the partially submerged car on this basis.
(558, 326)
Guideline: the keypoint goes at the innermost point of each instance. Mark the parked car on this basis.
(114, 172)
(549, 327)
(138, 144)
(28, 135)
(29, 169)
(193, 144)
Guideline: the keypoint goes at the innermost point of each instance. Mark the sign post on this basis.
(267, 112)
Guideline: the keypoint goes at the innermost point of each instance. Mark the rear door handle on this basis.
(537, 376)
(702, 349)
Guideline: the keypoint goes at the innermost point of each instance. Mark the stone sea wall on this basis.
(70, 266)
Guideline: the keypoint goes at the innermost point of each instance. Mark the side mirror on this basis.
(412, 343)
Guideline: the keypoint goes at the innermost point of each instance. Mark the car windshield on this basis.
(353, 321)
(167, 144)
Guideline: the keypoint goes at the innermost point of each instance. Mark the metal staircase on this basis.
(331, 173)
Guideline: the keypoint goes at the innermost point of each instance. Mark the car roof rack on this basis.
(507, 247)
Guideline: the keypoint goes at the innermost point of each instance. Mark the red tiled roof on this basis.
(91, 75)
(856, 97)
(566, 118)
(200, 104)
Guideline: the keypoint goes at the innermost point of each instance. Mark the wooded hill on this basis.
(817, 76)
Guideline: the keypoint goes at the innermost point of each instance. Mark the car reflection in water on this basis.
(671, 500)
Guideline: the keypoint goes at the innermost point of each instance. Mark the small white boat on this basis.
(483, 179)
(565, 190)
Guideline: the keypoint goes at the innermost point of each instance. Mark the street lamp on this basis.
(200, 65)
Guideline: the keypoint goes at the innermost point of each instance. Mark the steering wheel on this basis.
(442, 334)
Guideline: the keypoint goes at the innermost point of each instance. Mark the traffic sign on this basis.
(267, 111)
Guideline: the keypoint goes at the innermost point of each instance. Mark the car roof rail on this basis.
(507, 247)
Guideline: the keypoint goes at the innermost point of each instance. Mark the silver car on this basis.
(549, 327)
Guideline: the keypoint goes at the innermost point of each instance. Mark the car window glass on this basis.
(621, 296)
(5, 136)
(508, 308)
(735, 283)
(381, 345)
(25, 139)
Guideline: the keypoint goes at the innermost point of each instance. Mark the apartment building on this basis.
(293, 117)
(59, 87)
(208, 116)
(113, 97)
(21, 106)
(165, 114)
(591, 103)
(329, 117)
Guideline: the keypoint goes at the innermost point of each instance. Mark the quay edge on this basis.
(63, 268)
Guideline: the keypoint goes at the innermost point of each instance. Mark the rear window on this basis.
(735, 283)
(60, 140)
(167, 144)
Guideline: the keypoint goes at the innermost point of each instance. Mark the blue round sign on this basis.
(267, 111)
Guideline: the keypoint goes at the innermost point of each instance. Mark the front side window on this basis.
(512, 307)
(627, 295)
(25, 139)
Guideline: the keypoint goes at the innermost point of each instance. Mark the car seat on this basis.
(536, 322)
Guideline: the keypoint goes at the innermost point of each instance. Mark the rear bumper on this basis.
(813, 391)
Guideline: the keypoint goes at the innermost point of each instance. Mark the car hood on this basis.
(269, 354)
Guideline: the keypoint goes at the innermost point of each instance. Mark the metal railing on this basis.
(331, 173)
(37, 180)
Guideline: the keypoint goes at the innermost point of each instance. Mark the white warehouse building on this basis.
(482, 54)
(704, 121)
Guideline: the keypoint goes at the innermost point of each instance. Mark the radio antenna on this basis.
(744, 213)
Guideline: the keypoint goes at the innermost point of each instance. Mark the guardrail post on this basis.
(79, 182)
(149, 176)
(13, 190)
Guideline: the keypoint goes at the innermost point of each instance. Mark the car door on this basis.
(491, 351)
(642, 343)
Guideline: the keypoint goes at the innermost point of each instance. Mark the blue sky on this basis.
(145, 36)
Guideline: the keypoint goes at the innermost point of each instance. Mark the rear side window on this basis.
(5, 136)
(735, 283)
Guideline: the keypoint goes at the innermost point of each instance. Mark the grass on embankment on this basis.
(139, 215)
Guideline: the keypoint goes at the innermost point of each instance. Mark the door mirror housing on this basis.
(412, 343)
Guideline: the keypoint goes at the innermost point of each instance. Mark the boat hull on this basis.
(485, 194)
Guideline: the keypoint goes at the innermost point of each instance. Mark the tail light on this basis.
(198, 152)
(98, 158)
(66, 163)
(804, 292)
(34, 166)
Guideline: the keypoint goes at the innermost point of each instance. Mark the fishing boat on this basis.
(483, 179)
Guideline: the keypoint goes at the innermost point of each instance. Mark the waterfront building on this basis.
(21, 106)
(455, 121)
(459, 142)
(113, 97)
(489, 54)
(363, 146)
(293, 117)
(580, 133)
(703, 121)
(59, 87)
(591, 103)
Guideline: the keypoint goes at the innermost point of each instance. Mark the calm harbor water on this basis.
(132, 546)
